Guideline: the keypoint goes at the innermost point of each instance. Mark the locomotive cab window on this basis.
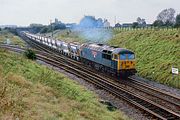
(122, 56)
(131, 56)
(106, 56)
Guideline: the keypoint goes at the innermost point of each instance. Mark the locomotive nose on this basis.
(129, 64)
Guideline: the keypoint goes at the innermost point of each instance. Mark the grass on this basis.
(156, 52)
(12, 39)
(32, 91)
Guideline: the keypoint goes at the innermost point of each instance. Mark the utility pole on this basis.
(51, 28)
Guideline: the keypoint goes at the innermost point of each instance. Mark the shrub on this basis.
(30, 54)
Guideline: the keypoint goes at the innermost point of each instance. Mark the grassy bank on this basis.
(31, 91)
(156, 52)
(7, 37)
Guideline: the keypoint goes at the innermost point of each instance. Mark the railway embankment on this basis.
(7, 37)
(29, 90)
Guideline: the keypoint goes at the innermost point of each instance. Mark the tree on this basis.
(167, 16)
(117, 25)
(168, 23)
(59, 26)
(30, 54)
(0, 29)
(141, 22)
(45, 29)
(158, 23)
(177, 24)
(135, 25)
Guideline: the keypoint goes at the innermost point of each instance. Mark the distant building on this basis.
(35, 25)
(126, 25)
(8, 26)
(106, 23)
(56, 22)
(117, 25)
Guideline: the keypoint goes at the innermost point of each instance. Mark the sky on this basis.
(24, 12)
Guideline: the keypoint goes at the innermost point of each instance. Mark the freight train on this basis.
(119, 62)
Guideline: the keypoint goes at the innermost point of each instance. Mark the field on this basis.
(157, 51)
(30, 91)
(8, 38)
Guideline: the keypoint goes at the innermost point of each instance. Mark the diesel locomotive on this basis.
(119, 62)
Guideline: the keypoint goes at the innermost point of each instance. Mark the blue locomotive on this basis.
(117, 61)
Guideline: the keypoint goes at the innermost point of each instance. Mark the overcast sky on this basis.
(24, 12)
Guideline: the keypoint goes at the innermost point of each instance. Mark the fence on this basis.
(145, 28)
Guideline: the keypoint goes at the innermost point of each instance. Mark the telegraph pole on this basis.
(51, 28)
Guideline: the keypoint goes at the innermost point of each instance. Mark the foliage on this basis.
(53, 27)
(13, 39)
(167, 15)
(177, 21)
(59, 26)
(158, 23)
(45, 29)
(141, 22)
(30, 54)
(135, 25)
(117, 25)
(37, 29)
(32, 91)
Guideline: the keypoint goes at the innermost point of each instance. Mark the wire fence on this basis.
(143, 28)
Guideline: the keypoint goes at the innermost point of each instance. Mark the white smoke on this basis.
(91, 29)
(96, 35)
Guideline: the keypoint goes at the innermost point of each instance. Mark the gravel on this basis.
(120, 104)
(166, 88)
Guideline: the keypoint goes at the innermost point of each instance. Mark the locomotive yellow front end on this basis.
(126, 62)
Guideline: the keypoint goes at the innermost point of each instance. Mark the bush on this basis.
(30, 54)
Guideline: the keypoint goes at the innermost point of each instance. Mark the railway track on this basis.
(109, 85)
(164, 98)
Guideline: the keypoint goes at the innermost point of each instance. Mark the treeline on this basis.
(53, 27)
(38, 28)
(167, 18)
